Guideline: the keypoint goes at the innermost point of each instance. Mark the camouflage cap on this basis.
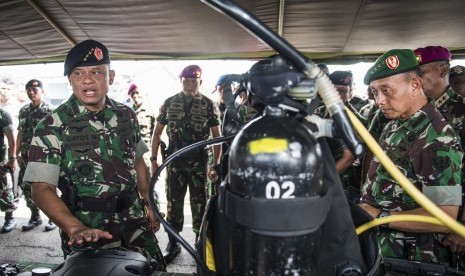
(34, 83)
(86, 53)
(191, 71)
(391, 63)
(456, 71)
(432, 54)
(341, 78)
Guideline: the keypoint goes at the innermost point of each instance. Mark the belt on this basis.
(114, 204)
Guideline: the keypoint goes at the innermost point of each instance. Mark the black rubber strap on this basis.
(279, 215)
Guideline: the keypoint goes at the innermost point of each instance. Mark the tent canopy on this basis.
(343, 31)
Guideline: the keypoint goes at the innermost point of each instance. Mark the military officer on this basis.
(90, 148)
(29, 117)
(189, 117)
(435, 71)
(426, 150)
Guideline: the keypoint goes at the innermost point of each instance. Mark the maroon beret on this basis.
(431, 54)
(132, 87)
(191, 71)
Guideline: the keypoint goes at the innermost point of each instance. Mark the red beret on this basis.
(431, 54)
(191, 71)
(132, 87)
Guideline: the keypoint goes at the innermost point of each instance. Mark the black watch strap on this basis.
(384, 213)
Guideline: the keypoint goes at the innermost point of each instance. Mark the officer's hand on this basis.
(153, 221)
(84, 234)
(455, 242)
(11, 165)
(212, 174)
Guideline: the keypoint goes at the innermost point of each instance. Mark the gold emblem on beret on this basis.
(458, 70)
(197, 74)
(35, 83)
(392, 62)
(418, 58)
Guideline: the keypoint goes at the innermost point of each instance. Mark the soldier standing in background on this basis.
(435, 70)
(145, 117)
(29, 117)
(457, 79)
(7, 204)
(189, 117)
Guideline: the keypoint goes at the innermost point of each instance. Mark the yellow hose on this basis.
(372, 223)
(418, 196)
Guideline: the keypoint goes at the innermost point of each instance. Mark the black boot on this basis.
(172, 250)
(35, 221)
(50, 226)
(10, 223)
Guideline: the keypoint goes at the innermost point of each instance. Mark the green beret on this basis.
(86, 53)
(391, 63)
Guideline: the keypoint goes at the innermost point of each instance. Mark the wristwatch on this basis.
(153, 158)
(384, 213)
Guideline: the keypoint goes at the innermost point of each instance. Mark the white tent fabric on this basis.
(33, 31)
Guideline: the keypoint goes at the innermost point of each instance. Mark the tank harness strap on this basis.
(279, 217)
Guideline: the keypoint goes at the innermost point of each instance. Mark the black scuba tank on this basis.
(275, 198)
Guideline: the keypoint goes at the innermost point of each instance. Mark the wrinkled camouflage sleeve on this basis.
(6, 123)
(162, 116)
(213, 118)
(141, 146)
(439, 172)
(45, 153)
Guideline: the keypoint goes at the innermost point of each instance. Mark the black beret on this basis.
(86, 53)
(457, 71)
(341, 78)
(34, 83)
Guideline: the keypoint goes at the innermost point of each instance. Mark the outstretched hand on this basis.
(84, 234)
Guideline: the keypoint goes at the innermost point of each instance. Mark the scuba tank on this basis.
(275, 198)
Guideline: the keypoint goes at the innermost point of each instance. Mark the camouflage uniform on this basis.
(246, 113)
(6, 187)
(368, 111)
(95, 154)
(452, 107)
(352, 175)
(187, 120)
(146, 119)
(427, 151)
(29, 117)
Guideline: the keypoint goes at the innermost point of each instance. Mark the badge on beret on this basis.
(458, 70)
(197, 74)
(98, 53)
(36, 83)
(419, 58)
(392, 62)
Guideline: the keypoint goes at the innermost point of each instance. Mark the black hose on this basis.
(153, 204)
